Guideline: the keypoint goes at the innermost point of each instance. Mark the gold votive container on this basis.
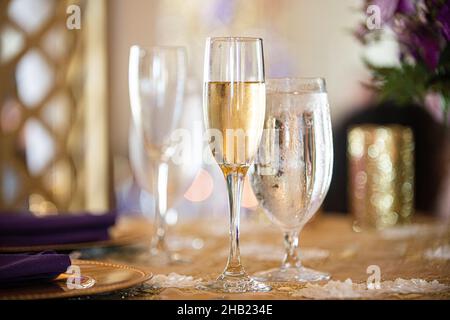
(381, 175)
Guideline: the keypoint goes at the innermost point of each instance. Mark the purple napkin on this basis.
(15, 268)
(27, 230)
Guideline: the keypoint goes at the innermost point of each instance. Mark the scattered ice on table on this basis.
(412, 286)
(173, 280)
(412, 230)
(332, 290)
(349, 290)
(440, 253)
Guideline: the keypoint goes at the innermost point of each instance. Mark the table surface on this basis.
(399, 253)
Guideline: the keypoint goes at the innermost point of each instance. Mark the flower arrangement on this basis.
(422, 30)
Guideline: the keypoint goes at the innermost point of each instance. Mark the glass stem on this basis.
(291, 259)
(160, 180)
(235, 182)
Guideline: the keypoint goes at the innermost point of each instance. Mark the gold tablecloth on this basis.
(350, 253)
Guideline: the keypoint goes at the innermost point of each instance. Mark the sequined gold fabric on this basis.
(381, 175)
(401, 253)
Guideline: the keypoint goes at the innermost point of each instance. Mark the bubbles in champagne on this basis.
(236, 112)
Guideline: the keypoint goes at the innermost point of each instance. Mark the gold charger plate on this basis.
(98, 277)
(127, 231)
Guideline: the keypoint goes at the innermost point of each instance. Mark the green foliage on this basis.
(405, 84)
(409, 83)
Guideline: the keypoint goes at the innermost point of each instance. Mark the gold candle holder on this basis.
(381, 175)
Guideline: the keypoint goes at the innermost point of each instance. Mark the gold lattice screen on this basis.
(53, 115)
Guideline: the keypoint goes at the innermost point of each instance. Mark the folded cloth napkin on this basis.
(27, 230)
(44, 266)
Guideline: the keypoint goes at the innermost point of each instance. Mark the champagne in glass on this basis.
(237, 111)
(234, 108)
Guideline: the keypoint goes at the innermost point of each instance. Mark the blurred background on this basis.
(65, 113)
(301, 38)
(296, 42)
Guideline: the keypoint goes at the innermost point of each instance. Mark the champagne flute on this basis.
(157, 78)
(181, 172)
(234, 108)
(292, 173)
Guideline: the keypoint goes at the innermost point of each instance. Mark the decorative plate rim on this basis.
(144, 276)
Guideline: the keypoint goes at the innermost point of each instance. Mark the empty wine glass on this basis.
(181, 173)
(292, 173)
(157, 78)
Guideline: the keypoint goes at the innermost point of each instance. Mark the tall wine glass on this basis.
(181, 171)
(157, 78)
(234, 107)
(292, 173)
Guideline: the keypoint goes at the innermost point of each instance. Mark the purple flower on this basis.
(428, 47)
(417, 37)
(406, 7)
(388, 8)
(444, 19)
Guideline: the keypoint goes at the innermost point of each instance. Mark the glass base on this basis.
(226, 284)
(299, 274)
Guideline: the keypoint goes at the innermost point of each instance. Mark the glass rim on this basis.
(150, 48)
(291, 85)
(365, 126)
(233, 39)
